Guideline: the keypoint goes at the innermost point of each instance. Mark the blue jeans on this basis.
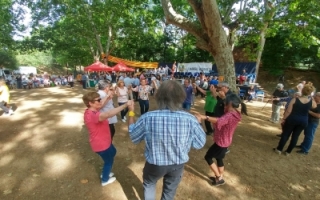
(171, 174)
(124, 111)
(108, 157)
(309, 132)
(144, 106)
(186, 106)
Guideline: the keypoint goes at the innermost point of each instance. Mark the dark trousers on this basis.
(124, 111)
(208, 124)
(108, 157)
(112, 130)
(71, 84)
(291, 127)
(135, 95)
(144, 106)
(84, 84)
(171, 174)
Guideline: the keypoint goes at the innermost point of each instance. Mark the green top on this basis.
(211, 102)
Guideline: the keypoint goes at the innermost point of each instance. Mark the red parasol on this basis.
(120, 67)
(98, 66)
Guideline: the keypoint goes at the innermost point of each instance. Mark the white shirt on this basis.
(108, 106)
(122, 95)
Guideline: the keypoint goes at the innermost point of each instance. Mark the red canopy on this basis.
(98, 66)
(120, 67)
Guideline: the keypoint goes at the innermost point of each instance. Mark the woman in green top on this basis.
(210, 103)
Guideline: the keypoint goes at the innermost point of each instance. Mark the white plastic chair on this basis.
(260, 95)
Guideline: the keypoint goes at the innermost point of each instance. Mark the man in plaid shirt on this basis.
(169, 133)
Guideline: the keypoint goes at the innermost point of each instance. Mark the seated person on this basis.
(251, 93)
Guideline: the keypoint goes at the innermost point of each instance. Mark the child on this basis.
(224, 130)
(4, 98)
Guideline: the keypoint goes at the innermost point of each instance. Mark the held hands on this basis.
(130, 105)
(199, 117)
(222, 95)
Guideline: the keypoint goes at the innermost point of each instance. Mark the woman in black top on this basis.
(295, 119)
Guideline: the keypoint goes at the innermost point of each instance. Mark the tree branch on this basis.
(197, 8)
(180, 21)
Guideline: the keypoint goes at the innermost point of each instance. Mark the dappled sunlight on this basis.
(70, 118)
(30, 183)
(56, 164)
(8, 146)
(264, 127)
(297, 187)
(6, 159)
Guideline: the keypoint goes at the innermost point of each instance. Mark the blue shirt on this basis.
(189, 91)
(168, 135)
(136, 82)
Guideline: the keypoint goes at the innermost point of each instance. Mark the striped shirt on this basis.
(169, 136)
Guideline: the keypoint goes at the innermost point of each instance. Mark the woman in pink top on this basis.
(99, 131)
(224, 130)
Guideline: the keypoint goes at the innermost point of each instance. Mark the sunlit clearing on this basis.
(57, 164)
(70, 118)
(4, 160)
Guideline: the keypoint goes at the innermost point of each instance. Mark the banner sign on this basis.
(194, 67)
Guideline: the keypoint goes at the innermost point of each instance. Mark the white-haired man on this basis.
(276, 104)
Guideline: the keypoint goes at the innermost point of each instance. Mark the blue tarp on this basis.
(250, 67)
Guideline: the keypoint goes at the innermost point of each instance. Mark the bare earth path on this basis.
(45, 154)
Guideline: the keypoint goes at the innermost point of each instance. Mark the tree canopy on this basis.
(73, 32)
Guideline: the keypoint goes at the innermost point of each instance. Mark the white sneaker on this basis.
(123, 120)
(11, 112)
(110, 175)
(6, 114)
(111, 180)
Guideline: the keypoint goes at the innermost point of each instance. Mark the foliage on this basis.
(7, 60)
(282, 52)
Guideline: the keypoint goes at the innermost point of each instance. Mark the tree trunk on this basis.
(269, 13)
(210, 35)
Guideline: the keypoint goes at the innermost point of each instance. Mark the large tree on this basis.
(208, 31)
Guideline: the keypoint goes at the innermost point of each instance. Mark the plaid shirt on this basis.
(168, 136)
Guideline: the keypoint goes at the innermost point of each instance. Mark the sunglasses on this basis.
(98, 100)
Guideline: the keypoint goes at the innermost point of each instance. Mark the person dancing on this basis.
(295, 120)
(99, 132)
(224, 130)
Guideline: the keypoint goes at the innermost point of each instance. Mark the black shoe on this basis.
(302, 152)
(279, 135)
(209, 133)
(299, 146)
(218, 183)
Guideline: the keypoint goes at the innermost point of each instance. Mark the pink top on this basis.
(225, 127)
(99, 132)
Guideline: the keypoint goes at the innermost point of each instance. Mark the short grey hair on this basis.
(224, 84)
(102, 84)
(280, 86)
(170, 95)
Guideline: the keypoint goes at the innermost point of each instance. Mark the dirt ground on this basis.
(45, 154)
